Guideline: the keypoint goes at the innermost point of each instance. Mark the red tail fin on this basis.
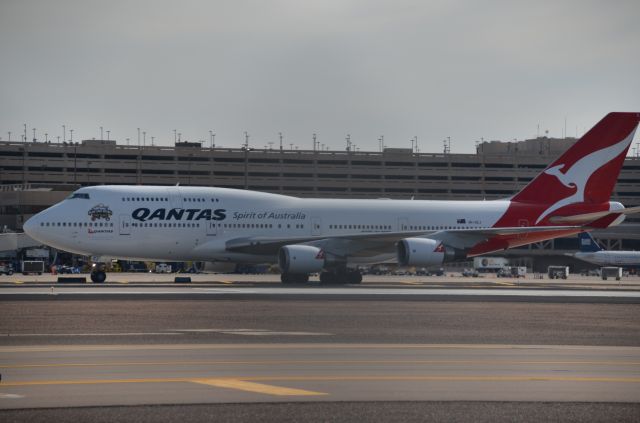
(587, 172)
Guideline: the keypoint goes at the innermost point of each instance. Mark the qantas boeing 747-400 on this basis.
(332, 237)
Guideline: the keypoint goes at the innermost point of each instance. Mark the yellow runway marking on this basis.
(256, 387)
(231, 380)
(329, 362)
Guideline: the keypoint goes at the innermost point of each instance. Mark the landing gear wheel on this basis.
(290, 278)
(354, 277)
(98, 277)
(340, 277)
(328, 278)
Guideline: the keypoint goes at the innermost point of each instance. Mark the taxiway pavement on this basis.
(364, 348)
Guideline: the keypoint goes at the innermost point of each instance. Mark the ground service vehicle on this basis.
(558, 272)
(611, 272)
(32, 266)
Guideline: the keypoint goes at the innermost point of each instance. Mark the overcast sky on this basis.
(431, 69)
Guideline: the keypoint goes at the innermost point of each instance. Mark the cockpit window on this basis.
(83, 195)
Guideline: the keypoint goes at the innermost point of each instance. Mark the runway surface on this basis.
(71, 376)
(309, 355)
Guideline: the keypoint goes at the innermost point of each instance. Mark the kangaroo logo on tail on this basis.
(580, 172)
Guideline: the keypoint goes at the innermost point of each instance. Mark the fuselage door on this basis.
(212, 228)
(125, 225)
(316, 226)
(175, 198)
(403, 224)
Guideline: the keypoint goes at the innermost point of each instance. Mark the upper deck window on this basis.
(83, 195)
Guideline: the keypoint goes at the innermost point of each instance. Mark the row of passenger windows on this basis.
(434, 228)
(163, 225)
(145, 199)
(258, 225)
(79, 224)
(379, 227)
(165, 199)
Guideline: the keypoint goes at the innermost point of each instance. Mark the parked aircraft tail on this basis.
(587, 243)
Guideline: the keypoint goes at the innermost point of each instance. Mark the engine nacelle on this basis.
(421, 252)
(300, 259)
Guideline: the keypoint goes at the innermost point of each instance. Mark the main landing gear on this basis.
(341, 277)
(98, 274)
(290, 278)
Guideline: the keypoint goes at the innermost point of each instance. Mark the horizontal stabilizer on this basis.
(578, 219)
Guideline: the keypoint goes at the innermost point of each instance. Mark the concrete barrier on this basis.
(182, 279)
(72, 279)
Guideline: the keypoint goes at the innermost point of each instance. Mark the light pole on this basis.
(71, 130)
(64, 133)
(144, 139)
(245, 147)
(101, 134)
(246, 166)
(75, 165)
(46, 135)
(25, 132)
(280, 134)
(9, 136)
(34, 134)
(108, 132)
(152, 138)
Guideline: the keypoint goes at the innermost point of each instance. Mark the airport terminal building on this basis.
(35, 175)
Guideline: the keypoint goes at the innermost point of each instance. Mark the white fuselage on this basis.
(611, 258)
(195, 223)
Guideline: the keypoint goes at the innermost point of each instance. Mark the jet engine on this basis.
(421, 252)
(298, 259)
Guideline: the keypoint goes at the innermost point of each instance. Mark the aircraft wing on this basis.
(368, 244)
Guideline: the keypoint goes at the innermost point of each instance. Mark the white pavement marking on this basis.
(478, 292)
(174, 332)
(10, 396)
(94, 334)
(252, 332)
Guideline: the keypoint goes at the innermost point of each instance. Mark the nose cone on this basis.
(30, 227)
